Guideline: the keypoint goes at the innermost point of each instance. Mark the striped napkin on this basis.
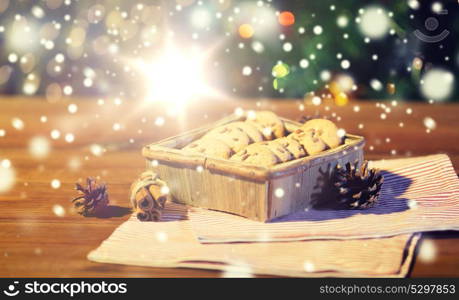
(172, 243)
(418, 194)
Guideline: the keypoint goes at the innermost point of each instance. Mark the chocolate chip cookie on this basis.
(309, 140)
(326, 130)
(233, 137)
(292, 146)
(256, 154)
(252, 131)
(282, 153)
(271, 125)
(210, 147)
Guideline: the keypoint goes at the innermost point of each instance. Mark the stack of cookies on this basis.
(262, 140)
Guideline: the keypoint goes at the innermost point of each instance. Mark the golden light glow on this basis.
(339, 94)
(175, 77)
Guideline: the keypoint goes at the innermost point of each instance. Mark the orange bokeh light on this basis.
(246, 31)
(286, 18)
(341, 98)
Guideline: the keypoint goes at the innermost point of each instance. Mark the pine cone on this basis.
(357, 188)
(93, 199)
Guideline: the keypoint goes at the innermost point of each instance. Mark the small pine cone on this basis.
(357, 188)
(93, 198)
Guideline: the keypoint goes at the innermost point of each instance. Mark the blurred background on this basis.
(404, 50)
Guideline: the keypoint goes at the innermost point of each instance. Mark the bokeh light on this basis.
(200, 18)
(437, 84)
(39, 147)
(7, 175)
(246, 31)
(286, 18)
(427, 251)
(280, 70)
(374, 22)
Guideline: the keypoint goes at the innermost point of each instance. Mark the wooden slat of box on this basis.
(251, 191)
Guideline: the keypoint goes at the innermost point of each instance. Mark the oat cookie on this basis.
(282, 153)
(326, 130)
(210, 147)
(233, 137)
(292, 146)
(308, 139)
(256, 154)
(272, 126)
(252, 131)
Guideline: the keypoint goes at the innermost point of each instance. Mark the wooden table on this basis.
(36, 239)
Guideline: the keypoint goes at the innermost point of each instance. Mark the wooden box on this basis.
(258, 193)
